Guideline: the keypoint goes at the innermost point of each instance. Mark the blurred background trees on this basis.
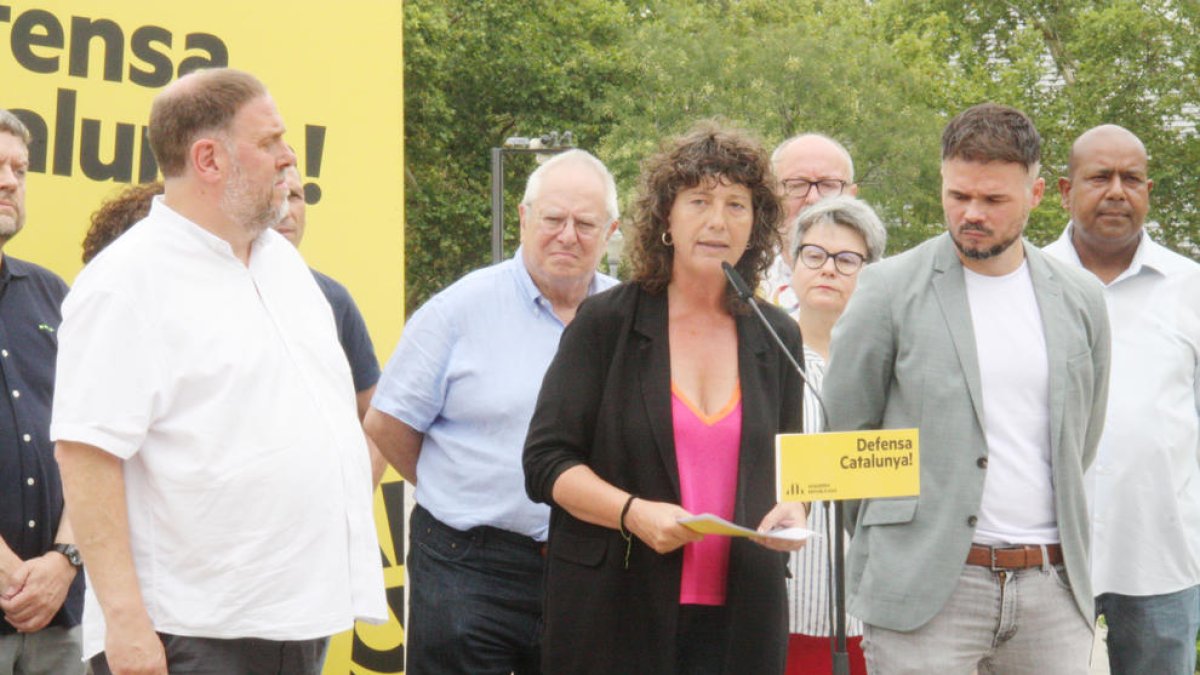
(882, 76)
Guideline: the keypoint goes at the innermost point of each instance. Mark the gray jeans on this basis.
(242, 656)
(49, 651)
(1016, 623)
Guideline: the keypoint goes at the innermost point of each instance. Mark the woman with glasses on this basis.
(663, 401)
(831, 241)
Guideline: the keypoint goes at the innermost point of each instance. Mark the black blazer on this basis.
(606, 402)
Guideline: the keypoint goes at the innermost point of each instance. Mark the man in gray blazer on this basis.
(999, 355)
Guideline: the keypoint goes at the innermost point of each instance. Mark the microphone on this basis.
(747, 296)
(738, 283)
(840, 658)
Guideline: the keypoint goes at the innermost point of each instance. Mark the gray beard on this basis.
(237, 201)
(267, 218)
(10, 227)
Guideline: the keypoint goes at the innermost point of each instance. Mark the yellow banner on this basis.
(81, 75)
(848, 465)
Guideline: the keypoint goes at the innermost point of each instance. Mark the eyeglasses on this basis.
(553, 224)
(845, 262)
(798, 188)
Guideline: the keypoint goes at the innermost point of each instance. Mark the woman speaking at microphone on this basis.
(831, 241)
(663, 401)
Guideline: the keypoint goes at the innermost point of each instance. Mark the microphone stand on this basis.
(841, 658)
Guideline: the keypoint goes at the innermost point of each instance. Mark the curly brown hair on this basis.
(117, 215)
(710, 150)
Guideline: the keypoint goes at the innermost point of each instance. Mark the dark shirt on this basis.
(352, 333)
(31, 498)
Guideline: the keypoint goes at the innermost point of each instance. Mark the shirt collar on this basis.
(523, 277)
(532, 293)
(198, 234)
(11, 268)
(1149, 258)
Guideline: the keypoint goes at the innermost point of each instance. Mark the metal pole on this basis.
(841, 659)
(497, 205)
(498, 180)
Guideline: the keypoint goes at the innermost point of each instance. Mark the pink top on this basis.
(706, 449)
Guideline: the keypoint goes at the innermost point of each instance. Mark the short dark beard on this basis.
(985, 254)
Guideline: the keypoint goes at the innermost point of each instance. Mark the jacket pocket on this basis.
(573, 548)
(889, 511)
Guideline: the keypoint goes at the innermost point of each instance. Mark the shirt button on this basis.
(981, 462)
(4, 353)
(27, 438)
(16, 393)
(29, 481)
(971, 520)
(32, 523)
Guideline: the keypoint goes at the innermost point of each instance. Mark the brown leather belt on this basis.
(1013, 557)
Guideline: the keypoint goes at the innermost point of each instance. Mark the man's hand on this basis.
(36, 591)
(133, 648)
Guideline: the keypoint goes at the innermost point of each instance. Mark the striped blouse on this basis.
(810, 585)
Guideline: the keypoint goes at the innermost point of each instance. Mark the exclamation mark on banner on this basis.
(314, 151)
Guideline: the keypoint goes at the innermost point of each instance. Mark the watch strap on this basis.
(70, 553)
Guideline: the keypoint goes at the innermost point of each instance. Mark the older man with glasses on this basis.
(809, 167)
(451, 414)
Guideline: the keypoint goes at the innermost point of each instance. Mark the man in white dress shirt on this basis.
(217, 477)
(1144, 487)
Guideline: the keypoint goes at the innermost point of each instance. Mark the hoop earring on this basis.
(667, 239)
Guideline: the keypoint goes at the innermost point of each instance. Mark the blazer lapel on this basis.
(1048, 290)
(754, 368)
(654, 373)
(950, 288)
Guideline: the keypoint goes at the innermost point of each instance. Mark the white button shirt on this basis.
(1144, 485)
(225, 391)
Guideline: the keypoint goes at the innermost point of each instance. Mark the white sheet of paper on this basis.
(707, 523)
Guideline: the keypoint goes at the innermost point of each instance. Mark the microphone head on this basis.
(739, 284)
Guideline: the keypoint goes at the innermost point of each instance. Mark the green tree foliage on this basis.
(1071, 64)
(782, 69)
(882, 76)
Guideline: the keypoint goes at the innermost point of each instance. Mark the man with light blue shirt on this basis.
(451, 413)
(1144, 487)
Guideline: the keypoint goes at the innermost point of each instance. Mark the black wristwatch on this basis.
(70, 553)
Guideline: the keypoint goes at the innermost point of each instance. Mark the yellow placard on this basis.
(848, 465)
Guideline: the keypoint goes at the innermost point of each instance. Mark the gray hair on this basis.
(10, 123)
(841, 148)
(845, 211)
(533, 186)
